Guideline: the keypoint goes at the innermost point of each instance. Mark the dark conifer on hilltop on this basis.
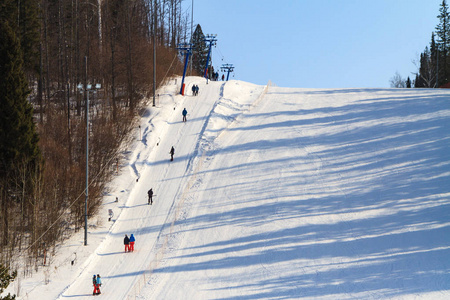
(200, 51)
(434, 63)
(408, 82)
(443, 41)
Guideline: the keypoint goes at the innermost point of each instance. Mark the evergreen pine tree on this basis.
(417, 81)
(29, 35)
(434, 60)
(427, 70)
(5, 279)
(408, 82)
(22, 17)
(443, 42)
(200, 51)
(19, 151)
(18, 137)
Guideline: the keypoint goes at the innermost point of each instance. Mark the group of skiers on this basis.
(215, 77)
(129, 243)
(195, 90)
(150, 191)
(97, 282)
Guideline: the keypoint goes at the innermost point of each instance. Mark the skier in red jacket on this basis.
(96, 286)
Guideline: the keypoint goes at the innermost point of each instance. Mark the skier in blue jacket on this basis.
(132, 240)
(99, 284)
(184, 114)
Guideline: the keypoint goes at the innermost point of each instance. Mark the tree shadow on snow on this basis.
(360, 208)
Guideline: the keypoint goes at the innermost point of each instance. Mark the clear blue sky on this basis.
(318, 43)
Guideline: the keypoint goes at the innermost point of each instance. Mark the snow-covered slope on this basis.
(274, 193)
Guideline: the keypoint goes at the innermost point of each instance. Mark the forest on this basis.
(51, 53)
(433, 64)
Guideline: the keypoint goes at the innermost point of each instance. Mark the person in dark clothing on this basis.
(172, 152)
(150, 196)
(126, 242)
(184, 113)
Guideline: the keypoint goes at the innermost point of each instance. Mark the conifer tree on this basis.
(408, 82)
(427, 70)
(200, 51)
(443, 42)
(18, 136)
(417, 81)
(29, 34)
(5, 279)
(22, 17)
(434, 60)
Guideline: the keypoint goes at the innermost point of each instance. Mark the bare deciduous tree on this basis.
(116, 36)
(397, 81)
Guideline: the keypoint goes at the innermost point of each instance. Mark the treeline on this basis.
(434, 62)
(48, 48)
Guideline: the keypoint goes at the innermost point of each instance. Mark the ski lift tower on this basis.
(227, 68)
(211, 39)
(86, 89)
(184, 49)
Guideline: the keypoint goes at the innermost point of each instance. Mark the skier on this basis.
(126, 242)
(172, 152)
(150, 196)
(99, 284)
(96, 288)
(184, 113)
(132, 240)
(193, 89)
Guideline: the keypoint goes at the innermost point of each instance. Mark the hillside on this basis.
(283, 193)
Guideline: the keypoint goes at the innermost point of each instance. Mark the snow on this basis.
(274, 193)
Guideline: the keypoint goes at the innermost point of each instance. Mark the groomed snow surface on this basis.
(274, 193)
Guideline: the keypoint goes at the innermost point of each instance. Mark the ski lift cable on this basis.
(224, 61)
(221, 55)
(168, 70)
(220, 52)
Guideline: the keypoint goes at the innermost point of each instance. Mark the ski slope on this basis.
(274, 193)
